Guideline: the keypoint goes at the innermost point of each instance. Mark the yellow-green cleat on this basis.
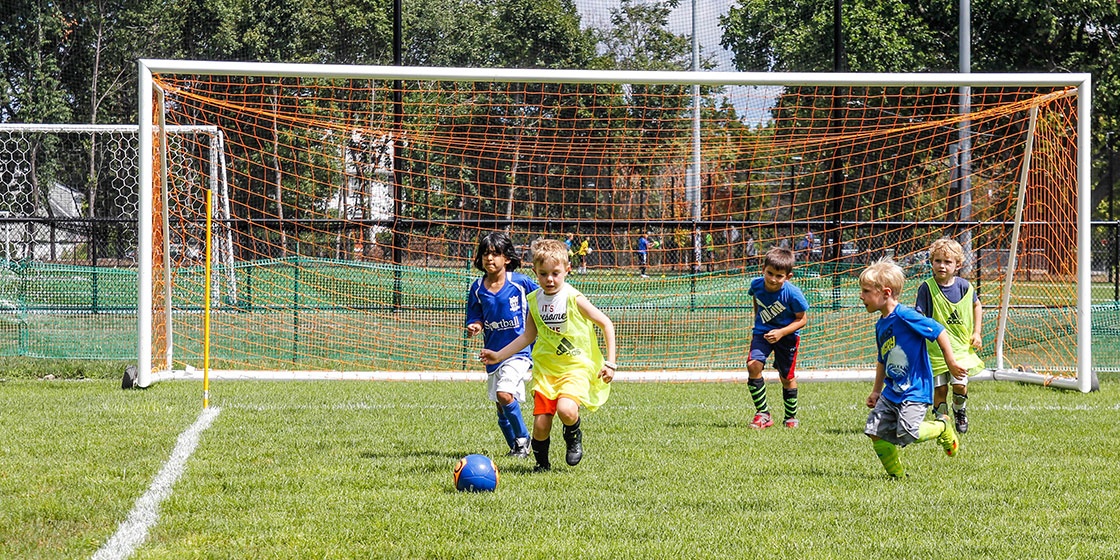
(948, 438)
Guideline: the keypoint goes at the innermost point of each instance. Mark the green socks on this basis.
(758, 394)
(888, 455)
(930, 429)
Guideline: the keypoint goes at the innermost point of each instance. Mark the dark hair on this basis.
(497, 242)
(780, 259)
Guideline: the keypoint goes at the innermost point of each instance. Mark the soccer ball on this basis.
(476, 473)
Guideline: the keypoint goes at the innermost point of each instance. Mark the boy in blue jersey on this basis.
(903, 388)
(953, 302)
(497, 306)
(779, 314)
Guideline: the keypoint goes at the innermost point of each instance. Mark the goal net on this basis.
(356, 197)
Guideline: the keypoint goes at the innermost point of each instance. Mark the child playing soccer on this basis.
(497, 306)
(779, 314)
(903, 388)
(952, 301)
(568, 367)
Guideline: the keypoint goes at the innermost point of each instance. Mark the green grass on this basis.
(363, 470)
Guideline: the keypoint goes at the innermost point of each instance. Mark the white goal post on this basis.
(150, 113)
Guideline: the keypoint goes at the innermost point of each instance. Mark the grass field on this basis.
(363, 470)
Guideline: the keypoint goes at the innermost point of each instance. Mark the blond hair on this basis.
(882, 274)
(549, 251)
(947, 248)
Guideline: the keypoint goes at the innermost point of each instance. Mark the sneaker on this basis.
(792, 423)
(948, 438)
(761, 421)
(575, 447)
(521, 449)
(962, 420)
(542, 468)
(644, 276)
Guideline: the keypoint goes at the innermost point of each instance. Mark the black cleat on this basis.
(962, 420)
(575, 447)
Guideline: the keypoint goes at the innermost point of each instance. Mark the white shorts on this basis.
(896, 423)
(946, 378)
(510, 377)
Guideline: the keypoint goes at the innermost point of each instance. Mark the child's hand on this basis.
(773, 336)
(977, 341)
(872, 399)
(957, 371)
(473, 329)
(488, 357)
(606, 374)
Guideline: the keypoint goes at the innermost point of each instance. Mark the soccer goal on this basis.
(356, 196)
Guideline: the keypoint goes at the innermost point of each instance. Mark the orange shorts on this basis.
(543, 405)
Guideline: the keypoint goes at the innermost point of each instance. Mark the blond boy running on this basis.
(568, 368)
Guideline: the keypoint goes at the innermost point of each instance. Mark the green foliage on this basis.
(916, 36)
(359, 469)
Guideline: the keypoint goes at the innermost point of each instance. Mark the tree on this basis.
(915, 36)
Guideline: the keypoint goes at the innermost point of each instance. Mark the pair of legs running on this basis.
(544, 410)
(892, 426)
(960, 399)
(512, 425)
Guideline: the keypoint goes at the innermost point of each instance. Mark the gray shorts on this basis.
(894, 422)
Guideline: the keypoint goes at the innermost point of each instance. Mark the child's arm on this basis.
(977, 318)
(516, 345)
(474, 313)
(607, 326)
(799, 321)
(877, 387)
(950, 360)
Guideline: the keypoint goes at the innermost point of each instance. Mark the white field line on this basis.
(145, 512)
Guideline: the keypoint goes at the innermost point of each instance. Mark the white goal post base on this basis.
(1030, 376)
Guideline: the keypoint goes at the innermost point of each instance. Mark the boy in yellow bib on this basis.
(568, 367)
(953, 302)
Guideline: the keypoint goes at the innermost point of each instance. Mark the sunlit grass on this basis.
(363, 469)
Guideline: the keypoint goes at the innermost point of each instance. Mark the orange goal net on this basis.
(347, 208)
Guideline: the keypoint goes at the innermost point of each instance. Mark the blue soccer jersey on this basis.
(900, 339)
(502, 314)
(774, 310)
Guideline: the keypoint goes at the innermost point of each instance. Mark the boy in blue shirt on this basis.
(903, 388)
(779, 314)
(497, 306)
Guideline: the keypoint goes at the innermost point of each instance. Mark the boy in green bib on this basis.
(568, 368)
(953, 302)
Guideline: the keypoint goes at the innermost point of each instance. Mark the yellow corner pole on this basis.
(206, 312)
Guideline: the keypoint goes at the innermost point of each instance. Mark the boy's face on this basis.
(550, 276)
(944, 268)
(874, 298)
(774, 278)
(494, 263)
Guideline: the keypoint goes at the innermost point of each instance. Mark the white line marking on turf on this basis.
(145, 512)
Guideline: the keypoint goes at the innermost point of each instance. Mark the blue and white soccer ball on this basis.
(476, 473)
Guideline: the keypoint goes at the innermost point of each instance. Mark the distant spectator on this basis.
(709, 250)
(643, 254)
(806, 245)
